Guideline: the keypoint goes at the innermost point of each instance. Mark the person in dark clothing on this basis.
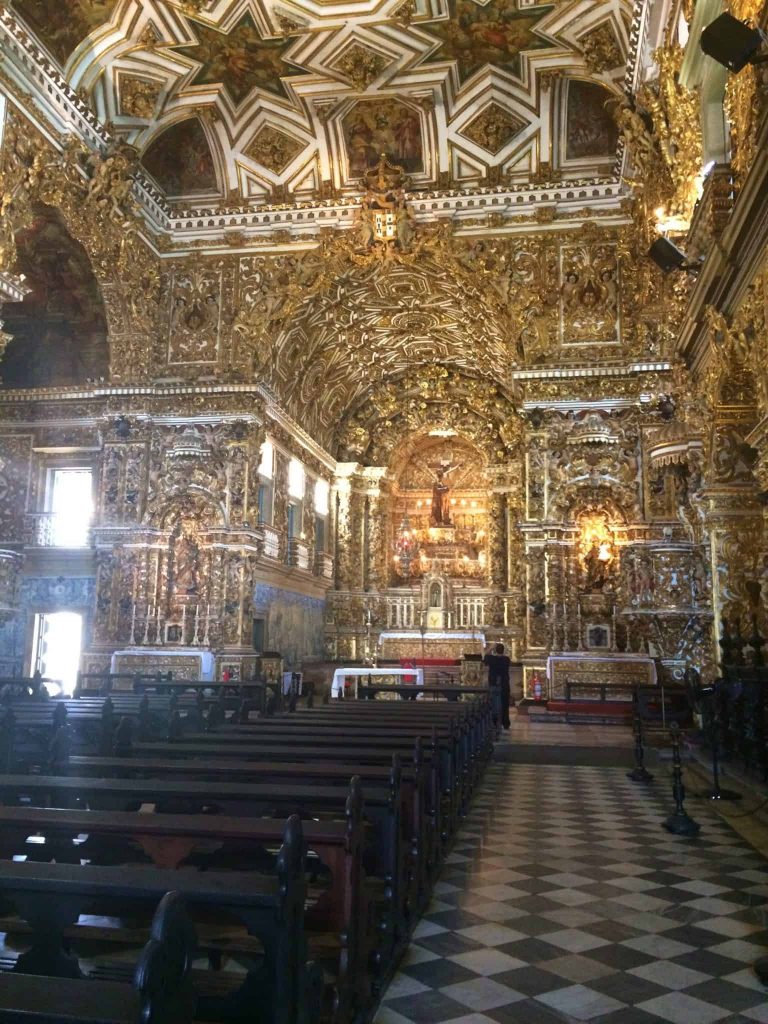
(498, 679)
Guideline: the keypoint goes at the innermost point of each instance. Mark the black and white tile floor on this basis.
(565, 900)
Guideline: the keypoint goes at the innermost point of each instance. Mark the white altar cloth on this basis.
(337, 686)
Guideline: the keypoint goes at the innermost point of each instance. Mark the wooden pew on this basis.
(51, 898)
(384, 809)
(422, 809)
(341, 909)
(161, 988)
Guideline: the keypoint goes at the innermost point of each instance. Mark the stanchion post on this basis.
(680, 823)
(710, 723)
(639, 773)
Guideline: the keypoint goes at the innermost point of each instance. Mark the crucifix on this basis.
(441, 513)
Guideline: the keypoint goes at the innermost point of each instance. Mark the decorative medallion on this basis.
(601, 49)
(273, 149)
(139, 96)
(360, 65)
(240, 59)
(493, 128)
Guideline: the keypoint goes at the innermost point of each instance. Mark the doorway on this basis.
(56, 646)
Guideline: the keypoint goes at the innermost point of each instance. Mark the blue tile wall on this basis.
(294, 623)
(43, 593)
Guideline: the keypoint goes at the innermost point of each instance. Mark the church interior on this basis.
(342, 341)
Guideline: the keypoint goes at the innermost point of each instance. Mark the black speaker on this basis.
(665, 255)
(730, 42)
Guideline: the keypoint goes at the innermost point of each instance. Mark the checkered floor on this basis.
(565, 900)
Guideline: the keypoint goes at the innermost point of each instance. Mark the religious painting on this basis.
(240, 59)
(62, 24)
(598, 636)
(180, 160)
(475, 35)
(591, 130)
(383, 126)
(59, 330)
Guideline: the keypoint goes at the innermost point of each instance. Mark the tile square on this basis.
(576, 967)
(482, 994)
(735, 998)
(669, 975)
(574, 940)
(532, 981)
(580, 1002)
(437, 973)
(679, 1008)
(427, 1007)
(491, 934)
(487, 961)
(628, 988)
(658, 946)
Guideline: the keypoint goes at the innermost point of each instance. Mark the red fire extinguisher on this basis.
(536, 682)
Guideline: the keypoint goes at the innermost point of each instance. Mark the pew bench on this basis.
(160, 988)
(52, 897)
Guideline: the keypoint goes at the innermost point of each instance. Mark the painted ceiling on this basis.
(269, 100)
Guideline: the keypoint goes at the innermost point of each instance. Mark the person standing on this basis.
(498, 679)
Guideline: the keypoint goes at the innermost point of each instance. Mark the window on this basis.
(56, 650)
(322, 497)
(294, 519)
(265, 503)
(267, 464)
(322, 494)
(295, 479)
(70, 508)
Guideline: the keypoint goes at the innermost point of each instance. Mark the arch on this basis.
(59, 329)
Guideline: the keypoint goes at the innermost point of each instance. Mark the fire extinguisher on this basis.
(536, 687)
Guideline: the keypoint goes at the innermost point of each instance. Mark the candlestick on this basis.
(196, 637)
(206, 638)
(184, 624)
(158, 634)
(146, 624)
(133, 623)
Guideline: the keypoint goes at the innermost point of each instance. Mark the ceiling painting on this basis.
(304, 100)
(180, 160)
(591, 130)
(240, 59)
(383, 126)
(496, 33)
(62, 24)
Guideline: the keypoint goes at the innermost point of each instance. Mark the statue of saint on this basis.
(186, 564)
(441, 513)
(596, 564)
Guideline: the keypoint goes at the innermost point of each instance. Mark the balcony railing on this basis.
(270, 539)
(53, 530)
(298, 553)
(323, 565)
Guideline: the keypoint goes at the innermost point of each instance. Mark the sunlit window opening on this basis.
(267, 464)
(56, 650)
(322, 492)
(71, 507)
(295, 479)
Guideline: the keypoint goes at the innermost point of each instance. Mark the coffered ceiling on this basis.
(264, 101)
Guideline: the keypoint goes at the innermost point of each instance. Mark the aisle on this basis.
(565, 900)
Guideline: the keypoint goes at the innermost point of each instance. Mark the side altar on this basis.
(618, 669)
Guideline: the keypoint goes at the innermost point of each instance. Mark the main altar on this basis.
(430, 644)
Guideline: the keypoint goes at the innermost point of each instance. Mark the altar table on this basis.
(192, 663)
(337, 686)
(600, 670)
